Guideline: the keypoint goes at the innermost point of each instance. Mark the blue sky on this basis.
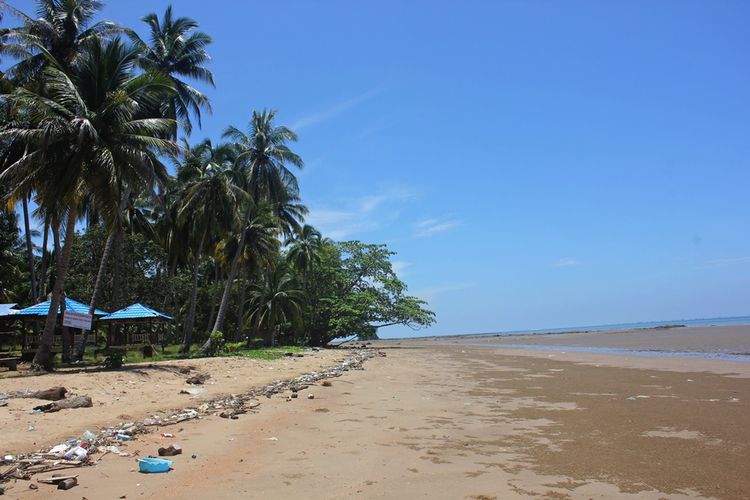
(535, 164)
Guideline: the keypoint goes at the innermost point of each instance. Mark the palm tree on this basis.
(208, 207)
(177, 51)
(62, 29)
(303, 252)
(88, 138)
(275, 300)
(263, 156)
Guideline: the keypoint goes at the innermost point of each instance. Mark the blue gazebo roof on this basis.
(42, 308)
(136, 312)
(7, 310)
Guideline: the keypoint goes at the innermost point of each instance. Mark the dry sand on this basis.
(445, 421)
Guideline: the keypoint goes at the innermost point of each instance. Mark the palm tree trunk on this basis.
(45, 255)
(230, 281)
(44, 355)
(241, 310)
(29, 249)
(193, 297)
(97, 289)
(214, 298)
(116, 258)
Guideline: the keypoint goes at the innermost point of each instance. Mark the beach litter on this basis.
(152, 465)
(110, 440)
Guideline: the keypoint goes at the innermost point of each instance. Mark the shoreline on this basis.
(471, 422)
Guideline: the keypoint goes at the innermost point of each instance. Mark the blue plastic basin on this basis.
(153, 465)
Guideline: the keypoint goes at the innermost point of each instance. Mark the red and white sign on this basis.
(77, 320)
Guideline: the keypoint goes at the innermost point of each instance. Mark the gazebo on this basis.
(8, 327)
(149, 326)
(37, 313)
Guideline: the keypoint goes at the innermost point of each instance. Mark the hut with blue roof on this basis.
(37, 314)
(137, 325)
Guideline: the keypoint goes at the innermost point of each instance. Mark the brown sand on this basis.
(135, 392)
(433, 421)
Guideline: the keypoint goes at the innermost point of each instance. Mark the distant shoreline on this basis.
(615, 327)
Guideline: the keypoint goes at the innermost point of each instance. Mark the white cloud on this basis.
(431, 227)
(335, 110)
(399, 266)
(565, 262)
(361, 214)
(723, 262)
(430, 293)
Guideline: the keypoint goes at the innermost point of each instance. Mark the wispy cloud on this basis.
(723, 262)
(433, 226)
(335, 110)
(399, 267)
(430, 293)
(361, 214)
(565, 262)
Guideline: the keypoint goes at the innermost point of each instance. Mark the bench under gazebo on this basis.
(37, 314)
(137, 326)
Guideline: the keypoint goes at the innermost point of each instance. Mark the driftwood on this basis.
(52, 394)
(65, 404)
(198, 378)
(55, 479)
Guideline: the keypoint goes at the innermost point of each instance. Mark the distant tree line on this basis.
(91, 115)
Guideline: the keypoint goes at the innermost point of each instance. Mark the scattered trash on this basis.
(326, 383)
(66, 484)
(273, 438)
(103, 442)
(311, 396)
(154, 465)
(76, 453)
(167, 435)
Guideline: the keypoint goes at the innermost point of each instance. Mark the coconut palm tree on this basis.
(87, 138)
(208, 208)
(264, 157)
(178, 51)
(274, 300)
(62, 29)
(303, 251)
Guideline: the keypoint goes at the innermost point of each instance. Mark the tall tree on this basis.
(87, 138)
(275, 301)
(61, 29)
(264, 157)
(178, 51)
(208, 208)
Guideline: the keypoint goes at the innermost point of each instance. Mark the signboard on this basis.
(77, 320)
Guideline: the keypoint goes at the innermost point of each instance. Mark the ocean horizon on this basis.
(717, 321)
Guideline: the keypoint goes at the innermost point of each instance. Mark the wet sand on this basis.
(447, 421)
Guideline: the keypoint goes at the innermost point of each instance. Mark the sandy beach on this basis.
(442, 420)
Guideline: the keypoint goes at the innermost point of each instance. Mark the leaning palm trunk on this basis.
(193, 298)
(100, 274)
(44, 355)
(230, 280)
(29, 249)
(42, 282)
(81, 350)
(241, 310)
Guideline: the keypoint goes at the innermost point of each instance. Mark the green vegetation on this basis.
(90, 113)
